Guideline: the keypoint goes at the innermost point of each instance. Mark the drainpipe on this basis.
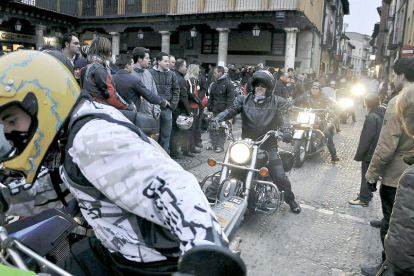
(323, 33)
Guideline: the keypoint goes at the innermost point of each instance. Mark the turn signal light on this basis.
(264, 172)
(211, 162)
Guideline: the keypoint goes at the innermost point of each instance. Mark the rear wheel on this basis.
(299, 148)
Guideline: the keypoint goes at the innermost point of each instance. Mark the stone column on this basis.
(39, 35)
(165, 37)
(115, 44)
(223, 46)
(290, 47)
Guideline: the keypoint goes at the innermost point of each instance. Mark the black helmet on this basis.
(264, 77)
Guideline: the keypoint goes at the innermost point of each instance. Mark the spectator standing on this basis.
(232, 73)
(221, 98)
(202, 93)
(183, 107)
(70, 47)
(191, 78)
(367, 143)
(172, 62)
(167, 87)
(142, 60)
(398, 243)
(300, 87)
(393, 145)
(382, 89)
(130, 87)
(96, 77)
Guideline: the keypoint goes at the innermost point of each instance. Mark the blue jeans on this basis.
(165, 128)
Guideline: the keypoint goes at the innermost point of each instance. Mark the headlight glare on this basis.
(346, 103)
(240, 153)
(303, 117)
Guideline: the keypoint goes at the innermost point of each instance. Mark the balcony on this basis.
(115, 8)
(328, 40)
(67, 7)
(211, 6)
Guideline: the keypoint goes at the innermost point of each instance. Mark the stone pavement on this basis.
(329, 236)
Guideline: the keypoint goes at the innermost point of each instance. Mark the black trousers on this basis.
(198, 123)
(387, 195)
(329, 143)
(188, 138)
(90, 258)
(365, 194)
(175, 135)
(278, 175)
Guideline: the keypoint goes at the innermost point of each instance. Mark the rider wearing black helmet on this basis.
(262, 111)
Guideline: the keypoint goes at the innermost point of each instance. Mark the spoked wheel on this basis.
(299, 148)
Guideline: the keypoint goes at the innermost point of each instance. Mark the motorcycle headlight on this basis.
(240, 152)
(303, 117)
(358, 90)
(346, 103)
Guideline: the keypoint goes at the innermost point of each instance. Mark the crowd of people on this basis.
(177, 95)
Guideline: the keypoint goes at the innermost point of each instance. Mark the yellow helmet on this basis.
(45, 89)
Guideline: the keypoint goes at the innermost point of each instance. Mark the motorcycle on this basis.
(346, 105)
(308, 139)
(243, 182)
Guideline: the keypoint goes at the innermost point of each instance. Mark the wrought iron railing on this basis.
(69, 7)
(112, 8)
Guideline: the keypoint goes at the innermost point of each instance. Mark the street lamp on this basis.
(18, 26)
(140, 34)
(193, 32)
(95, 34)
(58, 34)
(256, 30)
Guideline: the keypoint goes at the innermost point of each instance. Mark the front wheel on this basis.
(299, 148)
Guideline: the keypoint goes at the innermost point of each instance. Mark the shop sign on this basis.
(407, 51)
(18, 38)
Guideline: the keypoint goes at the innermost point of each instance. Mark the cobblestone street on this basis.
(329, 236)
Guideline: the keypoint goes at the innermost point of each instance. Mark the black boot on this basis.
(294, 206)
(370, 270)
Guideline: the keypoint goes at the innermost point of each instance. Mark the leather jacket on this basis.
(259, 117)
(167, 85)
(221, 95)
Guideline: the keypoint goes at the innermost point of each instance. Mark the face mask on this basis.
(19, 139)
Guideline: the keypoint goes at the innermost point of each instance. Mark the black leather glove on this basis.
(197, 101)
(372, 186)
(213, 126)
(287, 137)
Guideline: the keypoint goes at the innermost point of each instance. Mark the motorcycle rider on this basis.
(144, 208)
(261, 106)
(316, 99)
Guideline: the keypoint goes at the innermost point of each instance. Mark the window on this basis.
(210, 43)
(359, 50)
(29, 2)
(279, 42)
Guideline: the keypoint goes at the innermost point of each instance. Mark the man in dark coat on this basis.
(167, 87)
(221, 98)
(232, 73)
(183, 106)
(398, 243)
(130, 87)
(367, 143)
